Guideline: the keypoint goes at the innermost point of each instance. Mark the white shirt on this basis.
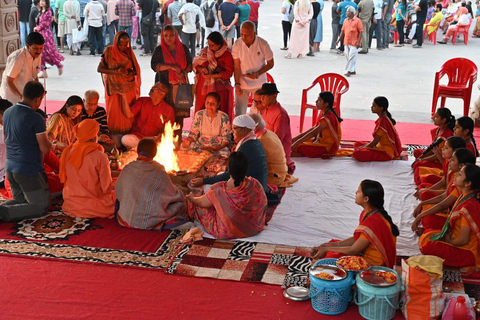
(190, 12)
(377, 4)
(94, 13)
(251, 60)
(23, 68)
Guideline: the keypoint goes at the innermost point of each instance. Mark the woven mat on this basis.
(243, 261)
(58, 236)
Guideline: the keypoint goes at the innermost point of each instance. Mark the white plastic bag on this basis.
(78, 36)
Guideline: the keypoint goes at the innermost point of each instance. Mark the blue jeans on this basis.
(112, 29)
(127, 29)
(420, 23)
(24, 31)
(95, 39)
(386, 30)
(378, 33)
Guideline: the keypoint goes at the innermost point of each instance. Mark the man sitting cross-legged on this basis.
(151, 114)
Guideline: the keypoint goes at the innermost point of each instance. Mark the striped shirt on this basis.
(100, 116)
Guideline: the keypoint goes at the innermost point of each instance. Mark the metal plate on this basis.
(337, 272)
(296, 293)
(370, 276)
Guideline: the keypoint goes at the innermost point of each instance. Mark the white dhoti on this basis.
(351, 53)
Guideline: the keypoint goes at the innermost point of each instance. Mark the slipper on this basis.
(288, 56)
(284, 48)
(398, 46)
(61, 51)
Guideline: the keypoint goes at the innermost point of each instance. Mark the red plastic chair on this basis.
(432, 37)
(462, 29)
(332, 82)
(250, 97)
(461, 73)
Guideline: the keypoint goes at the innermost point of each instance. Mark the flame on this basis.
(165, 149)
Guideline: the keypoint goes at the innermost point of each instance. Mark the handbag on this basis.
(183, 96)
(78, 36)
(150, 18)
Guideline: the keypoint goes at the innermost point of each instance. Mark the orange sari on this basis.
(120, 91)
(327, 141)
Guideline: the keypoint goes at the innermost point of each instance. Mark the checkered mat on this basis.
(243, 261)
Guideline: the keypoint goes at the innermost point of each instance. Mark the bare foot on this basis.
(60, 71)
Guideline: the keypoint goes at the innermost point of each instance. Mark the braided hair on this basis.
(375, 193)
(467, 123)
(328, 97)
(237, 167)
(445, 113)
(382, 102)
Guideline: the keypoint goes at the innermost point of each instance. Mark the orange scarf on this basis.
(75, 153)
(180, 58)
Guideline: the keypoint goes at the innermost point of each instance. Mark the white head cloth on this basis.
(244, 121)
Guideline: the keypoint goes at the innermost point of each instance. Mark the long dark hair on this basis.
(382, 102)
(238, 166)
(464, 156)
(456, 142)
(467, 123)
(72, 101)
(47, 5)
(375, 193)
(328, 97)
(445, 113)
(472, 174)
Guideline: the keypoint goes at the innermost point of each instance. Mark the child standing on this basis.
(386, 143)
(323, 140)
(375, 237)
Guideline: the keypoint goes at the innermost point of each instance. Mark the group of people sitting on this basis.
(69, 149)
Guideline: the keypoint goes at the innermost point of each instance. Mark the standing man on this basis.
(377, 25)
(94, 14)
(210, 11)
(228, 16)
(149, 9)
(22, 66)
(173, 10)
(187, 16)
(112, 21)
(342, 9)
(387, 19)
(421, 10)
(125, 10)
(276, 119)
(26, 142)
(252, 58)
(61, 21)
(71, 9)
(166, 20)
(243, 14)
(365, 13)
(335, 24)
(34, 12)
(254, 6)
(24, 7)
(351, 31)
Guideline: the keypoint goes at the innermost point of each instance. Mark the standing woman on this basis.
(172, 61)
(50, 54)
(286, 24)
(214, 68)
(401, 17)
(121, 75)
(319, 34)
(299, 41)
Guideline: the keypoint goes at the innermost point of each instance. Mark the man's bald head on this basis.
(260, 123)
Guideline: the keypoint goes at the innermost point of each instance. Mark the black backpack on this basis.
(209, 15)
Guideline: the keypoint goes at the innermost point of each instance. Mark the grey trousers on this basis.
(386, 30)
(335, 34)
(365, 34)
(31, 197)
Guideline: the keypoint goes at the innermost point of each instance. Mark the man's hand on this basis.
(197, 182)
(238, 89)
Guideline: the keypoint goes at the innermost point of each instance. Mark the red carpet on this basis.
(352, 130)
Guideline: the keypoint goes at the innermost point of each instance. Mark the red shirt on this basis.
(253, 10)
(149, 119)
(278, 121)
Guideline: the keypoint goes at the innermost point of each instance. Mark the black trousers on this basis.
(287, 30)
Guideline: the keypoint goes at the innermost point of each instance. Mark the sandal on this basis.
(284, 48)
(288, 56)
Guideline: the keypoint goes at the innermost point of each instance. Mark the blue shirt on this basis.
(21, 124)
(342, 8)
(402, 9)
(228, 10)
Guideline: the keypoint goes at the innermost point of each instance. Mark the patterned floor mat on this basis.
(243, 261)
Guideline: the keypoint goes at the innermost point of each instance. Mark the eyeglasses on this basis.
(257, 101)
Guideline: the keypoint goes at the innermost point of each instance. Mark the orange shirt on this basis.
(352, 29)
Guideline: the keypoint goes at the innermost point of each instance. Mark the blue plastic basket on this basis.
(330, 297)
(378, 303)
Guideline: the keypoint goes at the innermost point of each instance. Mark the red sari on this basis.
(120, 90)
(328, 140)
(219, 62)
(466, 209)
(378, 232)
(237, 212)
(389, 147)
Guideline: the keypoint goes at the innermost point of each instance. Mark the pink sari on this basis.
(236, 213)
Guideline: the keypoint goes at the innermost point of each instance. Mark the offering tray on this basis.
(328, 272)
(296, 293)
(378, 277)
